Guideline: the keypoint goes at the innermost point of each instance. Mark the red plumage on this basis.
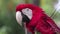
(40, 21)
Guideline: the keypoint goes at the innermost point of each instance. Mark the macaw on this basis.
(35, 19)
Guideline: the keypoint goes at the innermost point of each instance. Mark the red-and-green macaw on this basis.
(35, 19)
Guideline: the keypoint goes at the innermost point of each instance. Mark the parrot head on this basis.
(25, 12)
(24, 15)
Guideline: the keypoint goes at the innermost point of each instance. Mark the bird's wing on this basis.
(48, 20)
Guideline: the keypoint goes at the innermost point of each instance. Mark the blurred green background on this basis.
(8, 23)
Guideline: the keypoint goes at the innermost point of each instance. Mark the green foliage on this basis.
(8, 24)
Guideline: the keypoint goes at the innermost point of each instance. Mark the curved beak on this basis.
(19, 17)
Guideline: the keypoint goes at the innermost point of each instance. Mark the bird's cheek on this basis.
(19, 17)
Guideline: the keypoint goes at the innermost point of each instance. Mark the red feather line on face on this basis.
(40, 21)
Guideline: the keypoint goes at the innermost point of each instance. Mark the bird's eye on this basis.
(27, 12)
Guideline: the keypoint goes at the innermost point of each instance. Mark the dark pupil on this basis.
(25, 18)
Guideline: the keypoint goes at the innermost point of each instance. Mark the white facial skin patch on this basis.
(27, 12)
